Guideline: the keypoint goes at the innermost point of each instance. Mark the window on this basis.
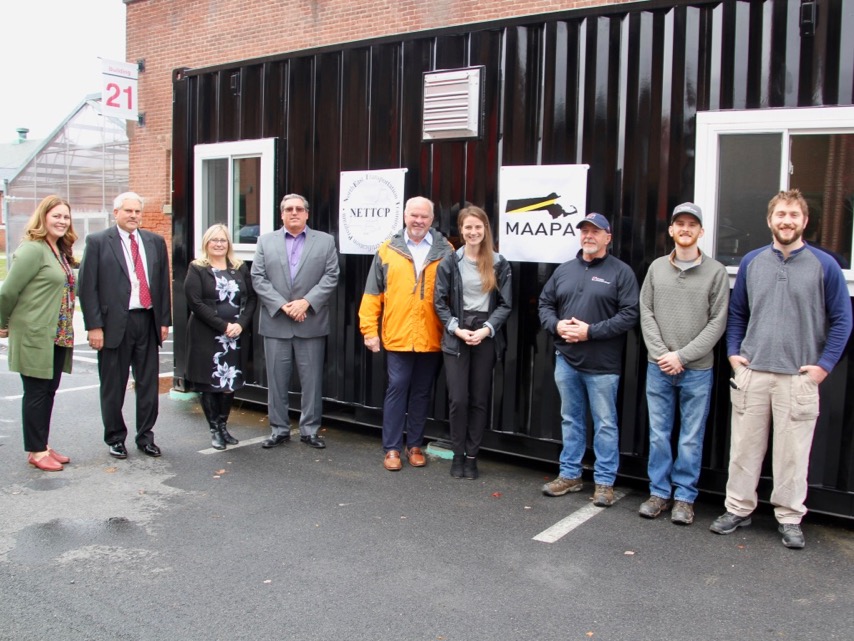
(745, 157)
(234, 185)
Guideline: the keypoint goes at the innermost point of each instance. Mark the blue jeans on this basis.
(692, 390)
(578, 390)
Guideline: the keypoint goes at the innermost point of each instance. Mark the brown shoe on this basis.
(562, 485)
(683, 513)
(392, 461)
(415, 456)
(603, 495)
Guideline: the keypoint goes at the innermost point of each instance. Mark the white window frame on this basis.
(712, 124)
(265, 148)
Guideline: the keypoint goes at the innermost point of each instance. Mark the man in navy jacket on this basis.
(588, 305)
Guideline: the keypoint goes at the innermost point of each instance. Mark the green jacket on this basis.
(30, 299)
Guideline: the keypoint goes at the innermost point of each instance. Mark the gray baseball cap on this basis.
(688, 208)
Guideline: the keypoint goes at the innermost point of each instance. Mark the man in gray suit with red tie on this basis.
(123, 287)
(294, 272)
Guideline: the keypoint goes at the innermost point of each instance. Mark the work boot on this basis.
(457, 466)
(562, 485)
(210, 406)
(603, 495)
(683, 513)
(653, 506)
(225, 401)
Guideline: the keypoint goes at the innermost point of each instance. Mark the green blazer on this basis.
(30, 299)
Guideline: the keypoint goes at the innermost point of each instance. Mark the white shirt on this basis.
(134, 281)
(419, 251)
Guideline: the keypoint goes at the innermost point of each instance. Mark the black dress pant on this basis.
(37, 403)
(469, 377)
(138, 353)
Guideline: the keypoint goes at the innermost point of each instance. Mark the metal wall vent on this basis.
(452, 104)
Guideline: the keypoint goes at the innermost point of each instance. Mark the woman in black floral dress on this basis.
(219, 294)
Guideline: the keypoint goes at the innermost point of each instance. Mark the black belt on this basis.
(141, 309)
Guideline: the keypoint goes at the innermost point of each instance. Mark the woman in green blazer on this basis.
(36, 309)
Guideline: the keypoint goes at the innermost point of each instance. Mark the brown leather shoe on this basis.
(416, 457)
(392, 461)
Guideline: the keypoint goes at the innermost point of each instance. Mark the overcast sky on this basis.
(49, 59)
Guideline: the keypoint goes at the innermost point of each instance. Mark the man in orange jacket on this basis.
(400, 290)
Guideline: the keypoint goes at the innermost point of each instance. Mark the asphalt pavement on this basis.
(304, 544)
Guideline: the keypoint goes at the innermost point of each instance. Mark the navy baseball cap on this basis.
(596, 219)
(688, 208)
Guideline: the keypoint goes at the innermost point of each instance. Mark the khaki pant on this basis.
(791, 401)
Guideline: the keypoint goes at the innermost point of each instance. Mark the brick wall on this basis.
(169, 34)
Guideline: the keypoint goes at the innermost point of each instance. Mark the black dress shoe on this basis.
(313, 441)
(118, 450)
(273, 441)
(150, 450)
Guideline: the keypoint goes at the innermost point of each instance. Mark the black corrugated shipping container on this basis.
(616, 87)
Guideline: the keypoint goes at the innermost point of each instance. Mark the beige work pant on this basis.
(791, 402)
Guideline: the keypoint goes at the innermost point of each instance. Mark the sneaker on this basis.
(562, 485)
(603, 495)
(728, 522)
(683, 513)
(654, 506)
(793, 537)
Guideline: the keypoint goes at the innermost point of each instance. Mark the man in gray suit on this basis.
(295, 272)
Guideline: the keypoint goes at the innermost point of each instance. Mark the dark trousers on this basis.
(469, 377)
(37, 403)
(407, 398)
(138, 352)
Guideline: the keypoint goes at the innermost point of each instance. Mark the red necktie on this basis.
(144, 292)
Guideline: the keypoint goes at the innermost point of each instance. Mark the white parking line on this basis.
(244, 443)
(567, 525)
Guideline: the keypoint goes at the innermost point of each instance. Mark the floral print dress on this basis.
(226, 375)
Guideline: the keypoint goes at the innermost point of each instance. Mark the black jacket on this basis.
(205, 326)
(602, 293)
(448, 300)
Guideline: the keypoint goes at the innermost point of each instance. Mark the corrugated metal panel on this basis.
(617, 88)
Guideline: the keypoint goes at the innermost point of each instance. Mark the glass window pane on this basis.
(214, 192)
(247, 200)
(822, 167)
(748, 177)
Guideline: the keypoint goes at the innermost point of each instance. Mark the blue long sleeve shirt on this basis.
(787, 313)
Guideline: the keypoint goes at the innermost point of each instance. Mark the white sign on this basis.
(540, 205)
(371, 209)
(118, 89)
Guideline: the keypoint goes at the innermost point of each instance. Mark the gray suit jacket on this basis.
(315, 281)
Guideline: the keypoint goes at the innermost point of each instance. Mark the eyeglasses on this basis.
(218, 241)
(298, 210)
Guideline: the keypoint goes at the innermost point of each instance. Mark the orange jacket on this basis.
(409, 320)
